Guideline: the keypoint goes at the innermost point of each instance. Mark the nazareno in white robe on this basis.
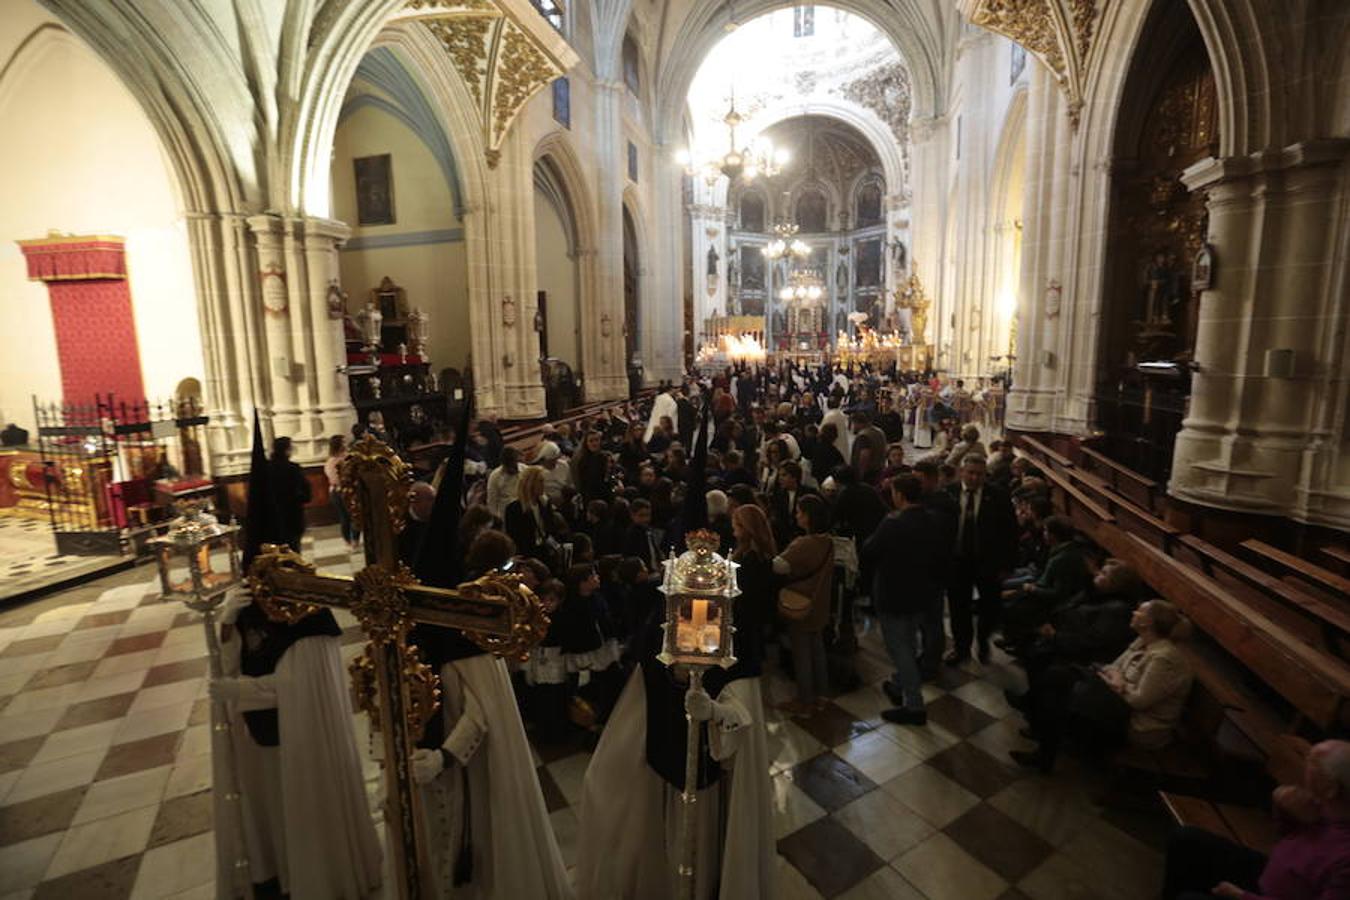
(630, 816)
(515, 852)
(306, 819)
(663, 405)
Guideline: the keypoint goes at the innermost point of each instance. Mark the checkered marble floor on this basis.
(28, 557)
(105, 775)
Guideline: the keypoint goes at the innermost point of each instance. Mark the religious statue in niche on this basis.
(841, 274)
(1162, 290)
(374, 190)
(712, 271)
(508, 312)
(1053, 292)
(390, 299)
(899, 256)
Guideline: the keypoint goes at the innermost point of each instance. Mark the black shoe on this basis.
(902, 716)
(893, 693)
(955, 659)
(1029, 733)
(1004, 644)
(984, 653)
(1017, 701)
(1031, 759)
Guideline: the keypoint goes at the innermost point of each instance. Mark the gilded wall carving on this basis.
(522, 69)
(503, 59)
(465, 42)
(1058, 32)
(886, 91)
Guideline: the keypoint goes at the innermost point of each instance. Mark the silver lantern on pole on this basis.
(700, 589)
(198, 561)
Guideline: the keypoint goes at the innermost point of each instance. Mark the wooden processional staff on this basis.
(395, 687)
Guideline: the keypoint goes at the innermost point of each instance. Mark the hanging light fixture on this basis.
(785, 243)
(758, 159)
(804, 286)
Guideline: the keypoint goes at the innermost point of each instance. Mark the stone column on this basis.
(928, 226)
(608, 322)
(1031, 404)
(512, 282)
(228, 308)
(1269, 354)
(664, 273)
(280, 399)
(328, 394)
(707, 225)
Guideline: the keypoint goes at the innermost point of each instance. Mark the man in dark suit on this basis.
(985, 546)
(903, 558)
(942, 513)
(687, 415)
(292, 491)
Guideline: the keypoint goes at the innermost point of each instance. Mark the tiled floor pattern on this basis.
(28, 557)
(105, 775)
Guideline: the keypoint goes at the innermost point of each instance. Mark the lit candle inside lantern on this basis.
(689, 635)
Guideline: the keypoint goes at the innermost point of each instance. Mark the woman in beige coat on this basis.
(1136, 700)
(807, 566)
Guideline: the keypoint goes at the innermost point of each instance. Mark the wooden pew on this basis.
(1313, 682)
(1340, 555)
(1085, 511)
(1043, 455)
(1123, 479)
(1299, 570)
(1249, 826)
(1129, 514)
(1328, 624)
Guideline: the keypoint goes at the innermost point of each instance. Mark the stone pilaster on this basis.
(1258, 437)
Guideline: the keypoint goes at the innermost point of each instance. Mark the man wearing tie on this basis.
(986, 537)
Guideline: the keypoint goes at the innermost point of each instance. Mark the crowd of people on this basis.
(847, 497)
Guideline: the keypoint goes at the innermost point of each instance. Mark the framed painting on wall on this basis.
(374, 190)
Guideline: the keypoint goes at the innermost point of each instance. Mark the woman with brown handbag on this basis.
(807, 568)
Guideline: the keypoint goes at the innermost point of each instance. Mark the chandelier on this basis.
(804, 286)
(786, 242)
(749, 162)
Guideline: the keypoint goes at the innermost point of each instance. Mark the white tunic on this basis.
(306, 820)
(630, 816)
(515, 853)
(663, 406)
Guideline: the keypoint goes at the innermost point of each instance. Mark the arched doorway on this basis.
(1168, 121)
(83, 333)
(556, 246)
(389, 132)
(631, 268)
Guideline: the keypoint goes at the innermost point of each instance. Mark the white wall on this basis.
(434, 274)
(79, 156)
(557, 275)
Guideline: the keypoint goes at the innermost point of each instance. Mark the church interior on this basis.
(376, 362)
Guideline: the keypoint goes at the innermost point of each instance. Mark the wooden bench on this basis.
(1042, 454)
(1313, 682)
(1340, 554)
(1328, 623)
(1122, 478)
(1302, 572)
(1127, 513)
(1249, 826)
(1085, 511)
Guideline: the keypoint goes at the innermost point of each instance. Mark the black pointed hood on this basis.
(262, 520)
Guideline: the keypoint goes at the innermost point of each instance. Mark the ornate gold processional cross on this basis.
(390, 681)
